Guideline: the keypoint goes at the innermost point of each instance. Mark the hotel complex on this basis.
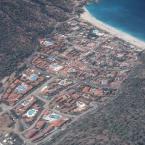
(72, 73)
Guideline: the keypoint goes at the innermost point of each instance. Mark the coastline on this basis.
(86, 16)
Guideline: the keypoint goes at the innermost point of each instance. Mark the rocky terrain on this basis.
(22, 22)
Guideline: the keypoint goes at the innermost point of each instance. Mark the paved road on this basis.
(120, 122)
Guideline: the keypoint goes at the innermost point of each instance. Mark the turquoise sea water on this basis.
(125, 15)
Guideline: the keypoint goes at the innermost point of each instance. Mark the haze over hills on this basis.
(22, 22)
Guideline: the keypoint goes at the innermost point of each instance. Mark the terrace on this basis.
(27, 111)
(45, 42)
(23, 106)
(32, 76)
(30, 116)
(48, 123)
(49, 90)
(49, 63)
(15, 94)
(28, 80)
(69, 103)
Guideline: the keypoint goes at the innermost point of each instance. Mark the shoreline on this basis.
(86, 16)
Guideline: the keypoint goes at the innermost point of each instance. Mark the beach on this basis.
(115, 32)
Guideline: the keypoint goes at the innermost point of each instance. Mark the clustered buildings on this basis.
(70, 71)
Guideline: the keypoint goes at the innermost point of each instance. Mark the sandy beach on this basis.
(122, 35)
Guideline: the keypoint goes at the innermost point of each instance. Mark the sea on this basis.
(125, 15)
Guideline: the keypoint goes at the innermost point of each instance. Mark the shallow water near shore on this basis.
(125, 15)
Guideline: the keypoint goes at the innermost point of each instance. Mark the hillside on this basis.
(22, 22)
(120, 122)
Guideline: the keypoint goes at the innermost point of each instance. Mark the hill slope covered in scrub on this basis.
(120, 122)
(21, 22)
